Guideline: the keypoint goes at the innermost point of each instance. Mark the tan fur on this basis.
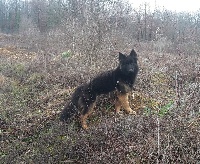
(122, 101)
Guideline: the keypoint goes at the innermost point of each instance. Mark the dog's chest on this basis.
(123, 87)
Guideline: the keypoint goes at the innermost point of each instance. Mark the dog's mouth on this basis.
(131, 70)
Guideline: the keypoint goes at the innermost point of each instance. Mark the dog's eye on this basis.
(131, 62)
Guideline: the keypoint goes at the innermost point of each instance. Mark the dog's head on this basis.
(128, 64)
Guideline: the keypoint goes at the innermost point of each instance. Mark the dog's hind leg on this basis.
(123, 101)
(88, 109)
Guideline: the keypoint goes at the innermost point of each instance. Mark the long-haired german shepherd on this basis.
(120, 79)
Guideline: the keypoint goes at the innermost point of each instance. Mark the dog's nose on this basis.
(131, 70)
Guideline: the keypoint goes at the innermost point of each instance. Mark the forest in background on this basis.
(98, 18)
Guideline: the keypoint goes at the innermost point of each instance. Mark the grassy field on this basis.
(36, 84)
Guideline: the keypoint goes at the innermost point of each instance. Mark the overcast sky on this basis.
(174, 5)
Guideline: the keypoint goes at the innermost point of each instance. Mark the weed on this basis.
(164, 110)
(66, 54)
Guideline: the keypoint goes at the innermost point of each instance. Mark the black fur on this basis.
(121, 79)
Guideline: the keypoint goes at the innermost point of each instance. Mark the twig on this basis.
(177, 90)
(158, 137)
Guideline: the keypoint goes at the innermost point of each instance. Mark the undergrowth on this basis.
(34, 90)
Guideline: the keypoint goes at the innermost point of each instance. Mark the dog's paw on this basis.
(119, 112)
(85, 127)
(132, 112)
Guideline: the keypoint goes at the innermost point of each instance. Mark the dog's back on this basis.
(103, 83)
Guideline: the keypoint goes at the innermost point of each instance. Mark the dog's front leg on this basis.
(123, 100)
(118, 105)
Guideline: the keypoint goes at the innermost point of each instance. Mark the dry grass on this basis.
(36, 85)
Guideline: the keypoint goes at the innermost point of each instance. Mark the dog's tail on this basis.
(72, 109)
(68, 112)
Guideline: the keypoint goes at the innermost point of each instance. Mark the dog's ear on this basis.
(121, 56)
(133, 53)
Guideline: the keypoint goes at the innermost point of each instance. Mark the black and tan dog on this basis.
(120, 79)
